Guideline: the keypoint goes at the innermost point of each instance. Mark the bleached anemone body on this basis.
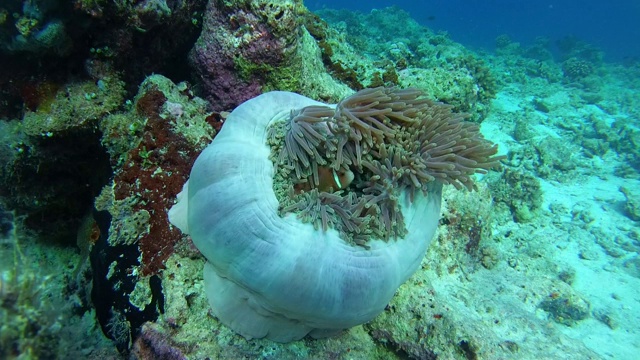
(311, 216)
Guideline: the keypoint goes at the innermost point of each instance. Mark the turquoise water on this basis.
(105, 107)
(476, 24)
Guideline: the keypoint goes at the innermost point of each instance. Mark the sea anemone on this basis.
(348, 167)
(311, 216)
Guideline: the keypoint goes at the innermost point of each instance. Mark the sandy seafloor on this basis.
(578, 252)
(582, 228)
(560, 239)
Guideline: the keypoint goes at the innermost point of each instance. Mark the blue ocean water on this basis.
(609, 25)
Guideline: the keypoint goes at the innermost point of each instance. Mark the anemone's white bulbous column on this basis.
(277, 277)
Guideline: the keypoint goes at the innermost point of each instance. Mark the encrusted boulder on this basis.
(247, 47)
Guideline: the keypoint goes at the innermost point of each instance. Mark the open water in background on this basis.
(613, 26)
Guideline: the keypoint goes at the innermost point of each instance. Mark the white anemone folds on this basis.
(270, 273)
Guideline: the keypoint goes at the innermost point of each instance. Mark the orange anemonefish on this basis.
(329, 180)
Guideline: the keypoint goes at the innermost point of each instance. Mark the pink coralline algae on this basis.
(153, 344)
(240, 46)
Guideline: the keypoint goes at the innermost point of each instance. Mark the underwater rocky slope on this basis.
(540, 261)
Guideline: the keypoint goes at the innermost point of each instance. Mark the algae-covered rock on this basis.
(390, 38)
(247, 47)
(566, 309)
(632, 266)
(468, 219)
(152, 146)
(520, 191)
(555, 155)
(575, 69)
(56, 165)
(631, 203)
(76, 107)
(522, 131)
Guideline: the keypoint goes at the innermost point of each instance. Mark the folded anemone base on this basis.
(274, 276)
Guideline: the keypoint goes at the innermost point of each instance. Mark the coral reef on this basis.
(91, 37)
(573, 47)
(621, 136)
(246, 48)
(567, 310)
(76, 107)
(406, 54)
(467, 220)
(518, 190)
(199, 335)
(91, 160)
(575, 69)
(631, 204)
(154, 344)
(59, 141)
(46, 314)
(37, 29)
(173, 128)
(152, 147)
